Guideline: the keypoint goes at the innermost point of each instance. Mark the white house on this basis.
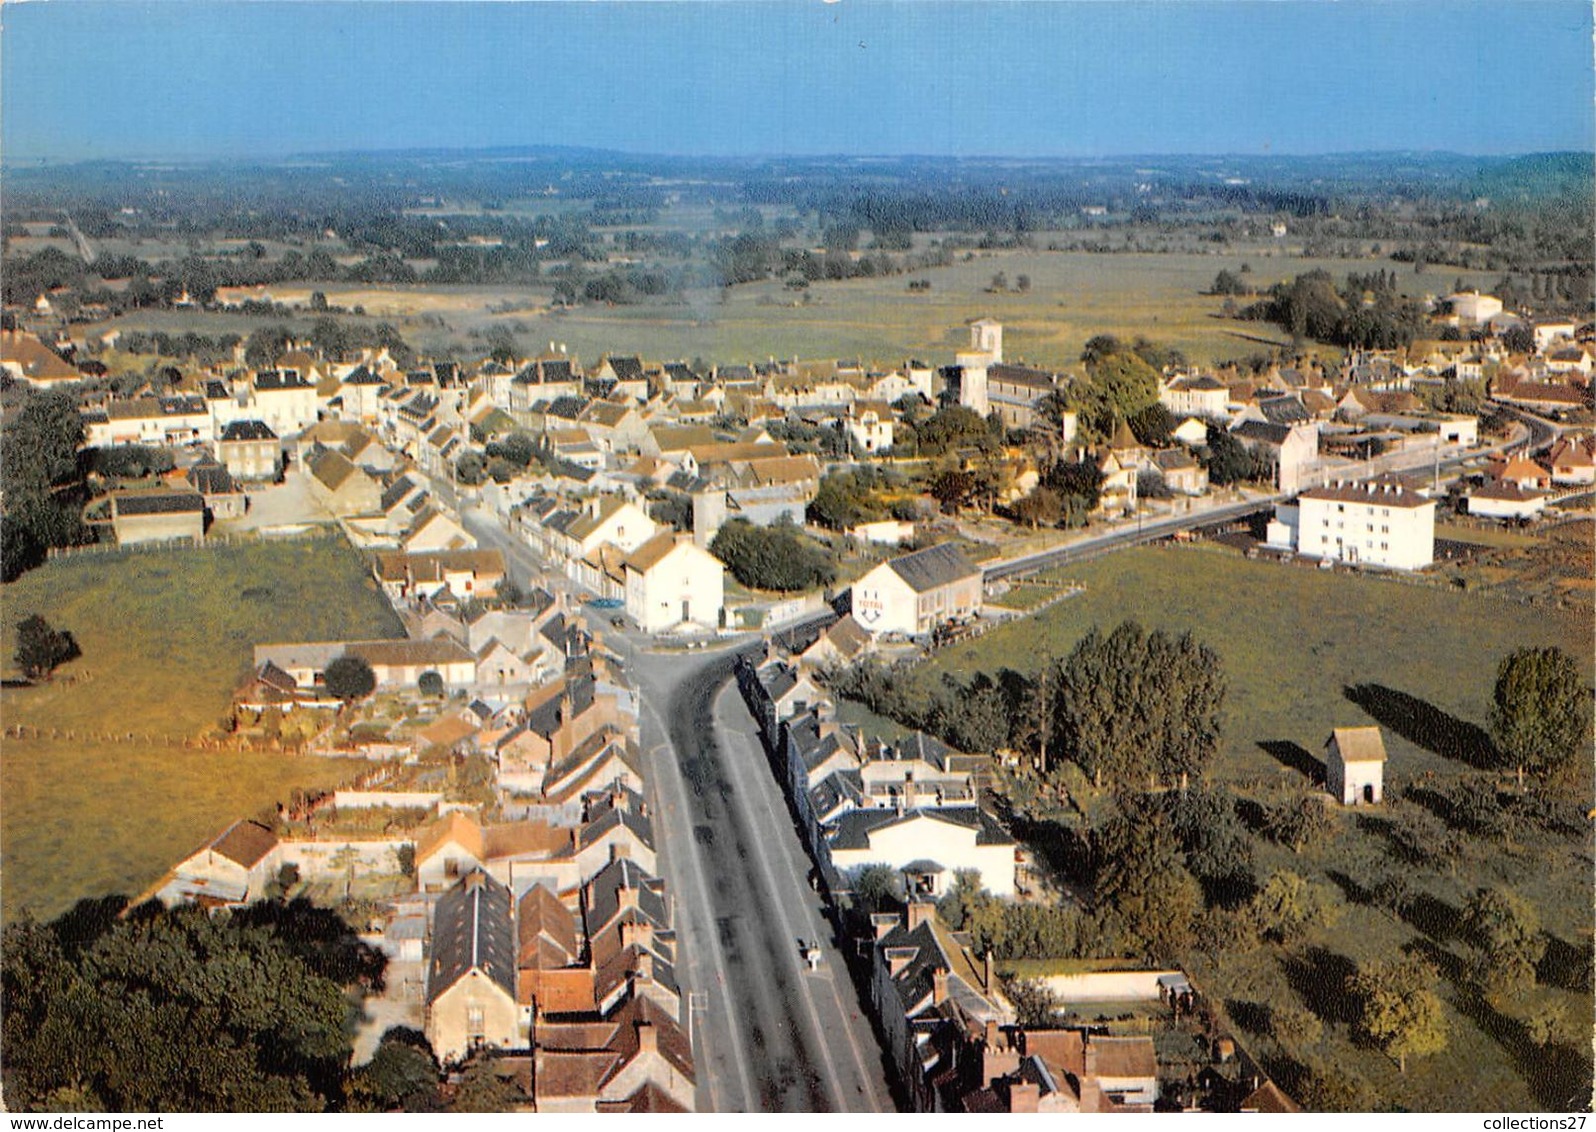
(285, 400)
(1549, 333)
(1376, 523)
(917, 592)
(671, 581)
(1201, 396)
(927, 845)
(235, 868)
(1474, 309)
(1573, 460)
(1354, 760)
(1502, 499)
(870, 426)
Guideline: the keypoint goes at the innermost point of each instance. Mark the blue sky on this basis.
(81, 78)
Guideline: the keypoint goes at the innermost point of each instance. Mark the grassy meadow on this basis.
(1291, 638)
(166, 636)
(1073, 295)
(1294, 640)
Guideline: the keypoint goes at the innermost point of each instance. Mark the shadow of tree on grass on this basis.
(1425, 725)
(1319, 976)
(1294, 757)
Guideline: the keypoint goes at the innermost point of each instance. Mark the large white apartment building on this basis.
(1376, 523)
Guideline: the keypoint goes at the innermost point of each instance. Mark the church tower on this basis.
(986, 349)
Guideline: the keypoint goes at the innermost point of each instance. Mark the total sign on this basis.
(868, 608)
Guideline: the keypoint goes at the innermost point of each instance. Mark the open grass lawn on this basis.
(166, 635)
(1293, 640)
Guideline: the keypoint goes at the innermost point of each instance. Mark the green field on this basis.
(1073, 296)
(1292, 639)
(166, 636)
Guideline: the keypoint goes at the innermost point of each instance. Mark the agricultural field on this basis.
(165, 638)
(1306, 651)
(1073, 295)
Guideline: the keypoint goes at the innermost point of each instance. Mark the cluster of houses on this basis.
(1519, 487)
(912, 805)
(543, 929)
(625, 440)
(951, 1033)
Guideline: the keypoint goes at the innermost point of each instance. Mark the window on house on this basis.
(476, 1023)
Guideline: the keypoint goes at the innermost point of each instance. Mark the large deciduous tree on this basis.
(1507, 930)
(171, 1010)
(1539, 710)
(40, 648)
(1139, 707)
(1142, 879)
(350, 678)
(1397, 1008)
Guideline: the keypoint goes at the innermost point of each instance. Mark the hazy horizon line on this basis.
(13, 160)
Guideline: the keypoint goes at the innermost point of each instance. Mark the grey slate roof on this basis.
(1286, 409)
(1262, 432)
(854, 828)
(248, 430)
(274, 379)
(604, 902)
(163, 503)
(934, 566)
(473, 928)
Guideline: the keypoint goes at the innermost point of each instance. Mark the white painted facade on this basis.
(1369, 524)
(685, 584)
(922, 836)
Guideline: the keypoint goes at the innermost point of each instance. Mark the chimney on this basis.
(991, 1033)
(643, 970)
(637, 933)
(918, 912)
(619, 850)
(939, 986)
(882, 923)
(626, 896)
(647, 1038)
(1025, 1096)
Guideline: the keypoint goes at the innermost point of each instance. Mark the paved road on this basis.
(1542, 434)
(1127, 536)
(769, 1035)
(774, 1037)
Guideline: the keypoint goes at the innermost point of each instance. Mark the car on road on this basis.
(606, 602)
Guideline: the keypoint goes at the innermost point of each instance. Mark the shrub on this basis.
(772, 558)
